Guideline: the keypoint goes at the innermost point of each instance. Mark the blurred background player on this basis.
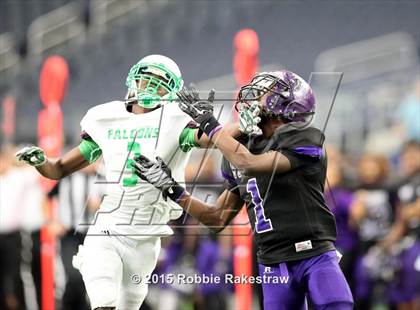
(21, 218)
(11, 285)
(79, 196)
(371, 213)
(339, 199)
(125, 237)
(403, 240)
(279, 171)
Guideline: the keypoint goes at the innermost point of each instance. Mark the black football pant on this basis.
(74, 293)
(11, 285)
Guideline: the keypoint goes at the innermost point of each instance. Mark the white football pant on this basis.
(112, 265)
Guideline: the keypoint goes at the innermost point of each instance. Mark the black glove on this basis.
(201, 111)
(159, 175)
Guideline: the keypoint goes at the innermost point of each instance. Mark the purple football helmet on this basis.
(290, 97)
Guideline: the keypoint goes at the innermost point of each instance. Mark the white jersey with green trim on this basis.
(131, 206)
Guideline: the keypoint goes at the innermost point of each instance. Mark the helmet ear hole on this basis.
(289, 113)
(297, 113)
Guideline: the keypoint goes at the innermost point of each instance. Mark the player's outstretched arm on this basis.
(203, 141)
(251, 164)
(53, 168)
(201, 112)
(216, 217)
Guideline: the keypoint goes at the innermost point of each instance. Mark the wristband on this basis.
(209, 124)
(175, 192)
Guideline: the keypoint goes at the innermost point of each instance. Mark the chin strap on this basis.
(290, 115)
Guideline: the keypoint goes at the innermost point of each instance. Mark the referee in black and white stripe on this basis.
(79, 196)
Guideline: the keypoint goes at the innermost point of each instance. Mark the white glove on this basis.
(249, 119)
(32, 155)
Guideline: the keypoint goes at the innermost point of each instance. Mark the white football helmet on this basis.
(150, 75)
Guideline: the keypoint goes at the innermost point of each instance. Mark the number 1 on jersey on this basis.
(262, 224)
(134, 149)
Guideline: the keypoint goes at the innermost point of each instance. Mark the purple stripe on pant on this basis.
(319, 278)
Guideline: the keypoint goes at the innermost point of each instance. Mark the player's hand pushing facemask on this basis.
(159, 175)
(200, 110)
(32, 155)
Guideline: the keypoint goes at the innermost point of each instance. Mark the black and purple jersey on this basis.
(287, 211)
(339, 201)
(408, 193)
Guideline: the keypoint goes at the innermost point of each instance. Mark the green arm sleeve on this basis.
(90, 150)
(187, 139)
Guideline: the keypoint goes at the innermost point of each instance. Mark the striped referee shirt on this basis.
(74, 192)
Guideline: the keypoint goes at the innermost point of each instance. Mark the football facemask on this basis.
(259, 86)
(152, 84)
